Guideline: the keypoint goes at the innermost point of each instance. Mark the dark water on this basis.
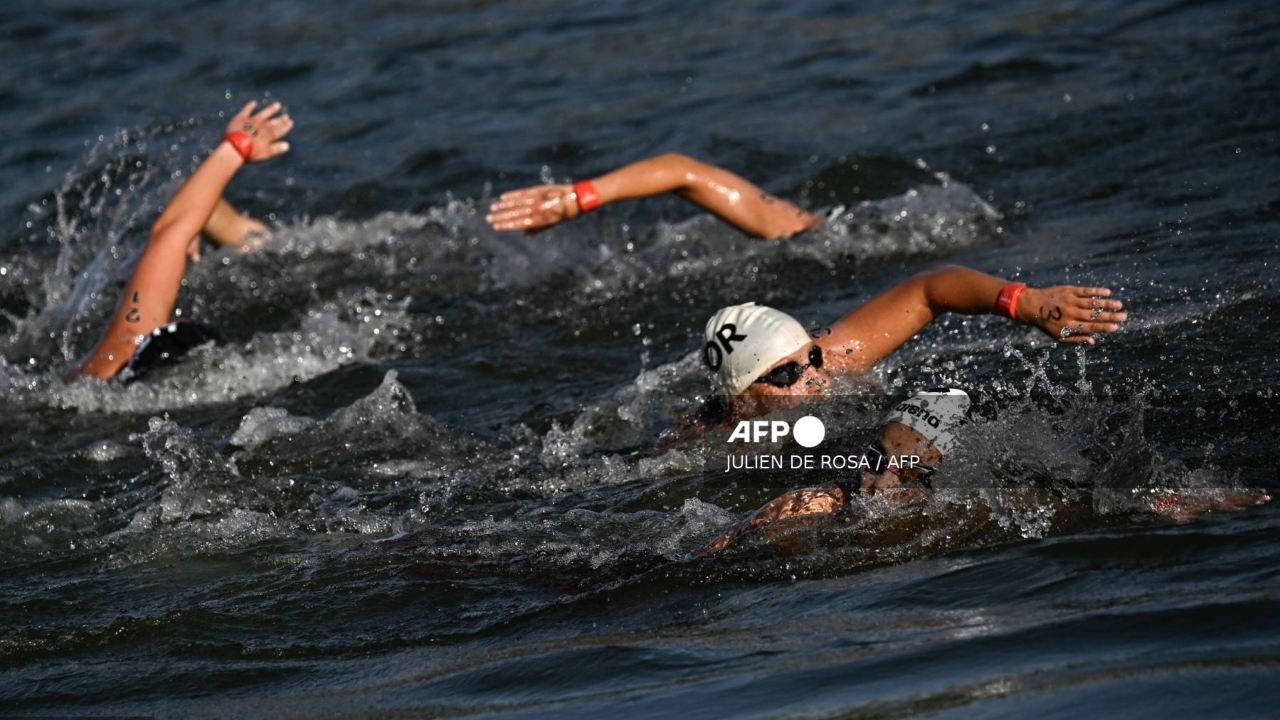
(408, 486)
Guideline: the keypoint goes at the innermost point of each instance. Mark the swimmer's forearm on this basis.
(730, 197)
(880, 326)
(227, 227)
(191, 207)
(959, 290)
(909, 306)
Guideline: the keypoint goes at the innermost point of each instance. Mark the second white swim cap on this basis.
(743, 341)
(935, 414)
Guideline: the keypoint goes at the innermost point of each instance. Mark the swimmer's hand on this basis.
(533, 208)
(888, 488)
(1072, 314)
(266, 127)
(1186, 506)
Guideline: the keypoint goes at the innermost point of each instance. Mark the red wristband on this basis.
(1007, 302)
(588, 198)
(241, 142)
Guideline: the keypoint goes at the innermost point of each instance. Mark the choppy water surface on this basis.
(421, 478)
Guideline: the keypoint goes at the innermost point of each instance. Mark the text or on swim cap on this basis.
(935, 414)
(744, 341)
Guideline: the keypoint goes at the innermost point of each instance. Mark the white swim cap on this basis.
(743, 341)
(935, 414)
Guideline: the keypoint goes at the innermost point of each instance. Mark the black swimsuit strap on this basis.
(167, 345)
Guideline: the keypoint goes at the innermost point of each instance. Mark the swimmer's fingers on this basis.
(1091, 292)
(1108, 317)
(243, 115)
(1084, 320)
(1081, 333)
(514, 223)
(266, 113)
(1078, 340)
(1097, 303)
(276, 149)
(1235, 501)
(1094, 328)
(529, 198)
(522, 203)
(531, 209)
(280, 126)
(507, 213)
(511, 210)
(511, 218)
(529, 193)
(1182, 506)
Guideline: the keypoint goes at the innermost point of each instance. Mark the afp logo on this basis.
(808, 431)
(721, 344)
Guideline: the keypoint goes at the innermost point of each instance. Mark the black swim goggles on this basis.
(787, 374)
(878, 460)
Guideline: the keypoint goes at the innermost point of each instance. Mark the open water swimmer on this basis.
(142, 333)
(764, 360)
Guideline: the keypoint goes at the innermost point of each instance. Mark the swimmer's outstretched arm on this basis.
(821, 500)
(1186, 505)
(152, 291)
(873, 331)
(722, 193)
(807, 505)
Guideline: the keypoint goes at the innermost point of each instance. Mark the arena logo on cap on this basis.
(808, 431)
(920, 412)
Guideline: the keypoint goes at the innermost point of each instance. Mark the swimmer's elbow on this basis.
(682, 170)
(930, 279)
(162, 228)
(934, 285)
(674, 159)
(170, 231)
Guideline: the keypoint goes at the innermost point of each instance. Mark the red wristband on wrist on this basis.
(1007, 302)
(241, 142)
(588, 198)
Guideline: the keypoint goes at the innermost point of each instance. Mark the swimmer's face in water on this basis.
(789, 383)
(899, 440)
(800, 373)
